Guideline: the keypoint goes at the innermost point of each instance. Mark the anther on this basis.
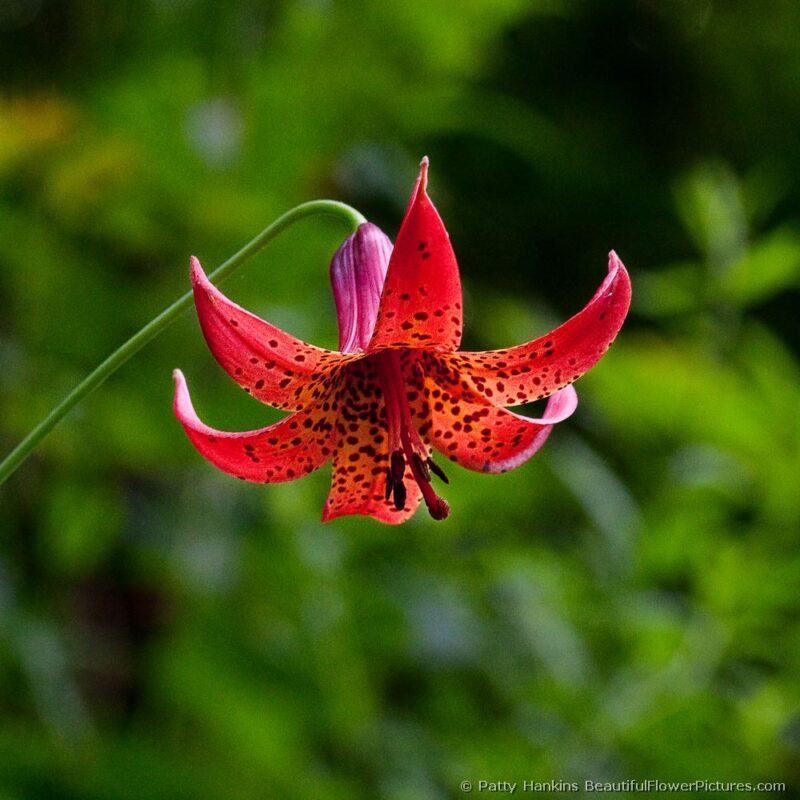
(389, 484)
(400, 495)
(398, 466)
(438, 471)
(421, 466)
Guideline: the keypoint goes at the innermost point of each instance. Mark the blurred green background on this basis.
(623, 606)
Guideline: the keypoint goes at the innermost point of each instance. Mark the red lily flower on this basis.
(397, 387)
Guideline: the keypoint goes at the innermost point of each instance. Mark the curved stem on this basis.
(164, 319)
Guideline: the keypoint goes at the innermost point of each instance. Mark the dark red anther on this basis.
(398, 466)
(438, 472)
(400, 495)
(421, 466)
(389, 484)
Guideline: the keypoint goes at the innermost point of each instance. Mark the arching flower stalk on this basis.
(397, 388)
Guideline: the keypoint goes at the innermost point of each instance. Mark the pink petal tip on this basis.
(423, 173)
(196, 270)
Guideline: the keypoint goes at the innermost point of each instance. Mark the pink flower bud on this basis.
(358, 270)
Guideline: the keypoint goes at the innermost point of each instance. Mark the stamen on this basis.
(437, 471)
(399, 495)
(422, 465)
(437, 507)
(398, 466)
(389, 484)
(405, 444)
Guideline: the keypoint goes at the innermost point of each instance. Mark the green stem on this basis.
(164, 319)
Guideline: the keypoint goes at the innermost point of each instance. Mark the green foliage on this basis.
(623, 606)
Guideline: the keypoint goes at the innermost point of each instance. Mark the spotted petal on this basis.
(421, 301)
(475, 434)
(539, 368)
(358, 481)
(295, 446)
(268, 363)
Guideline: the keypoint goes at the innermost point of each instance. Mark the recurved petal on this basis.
(291, 448)
(268, 363)
(478, 435)
(421, 301)
(361, 460)
(539, 368)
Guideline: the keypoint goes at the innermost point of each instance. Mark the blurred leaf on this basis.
(770, 265)
(710, 204)
(84, 522)
(31, 126)
(675, 289)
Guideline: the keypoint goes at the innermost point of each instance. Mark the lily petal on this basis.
(268, 363)
(358, 270)
(539, 368)
(360, 465)
(421, 300)
(292, 447)
(476, 434)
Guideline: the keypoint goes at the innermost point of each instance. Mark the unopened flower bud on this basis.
(358, 270)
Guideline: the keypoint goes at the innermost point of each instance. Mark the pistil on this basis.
(405, 444)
